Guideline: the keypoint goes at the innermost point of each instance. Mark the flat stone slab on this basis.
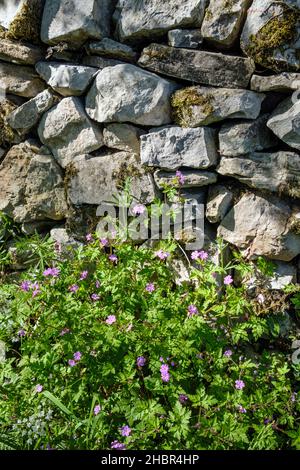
(17, 53)
(172, 147)
(261, 227)
(246, 137)
(109, 48)
(199, 106)
(96, 180)
(276, 172)
(67, 131)
(192, 178)
(152, 18)
(126, 93)
(282, 82)
(66, 79)
(20, 80)
(285, 122)
(198, 66)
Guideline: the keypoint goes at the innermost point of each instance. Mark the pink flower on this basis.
(228, 353)
(203, 255)
(25, 286)
(65, 331)
(97, 410)
(239, 384)
(71, 362)
(104, 242)
(139, 209)
(39, 388)
(113, 258)
(241, 409)
(161, 254)
(164, 371)
(125, 431)
(110, 319)
(95, 297)
(97, 284)
(73, 288)
(180, 177)
(54, 272)
(150, 287)
(228, 280)
(77, 356)
(89, 237)
(21, 333)
(83, 275)
(192, 310)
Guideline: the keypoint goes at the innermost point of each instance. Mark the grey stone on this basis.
(110, 48)
(68, 132)
(246, 137)
(192, 178)
(261, 227)
(198, 66)
(199, 106)
(223, 21)
(284, 274)
(285, 122)
(218, 203)
(144, 19)
(32, 185)
(75, 21)
(26, 116)
(65, 243)
(20, 80)
(125, 93)
(271, 35)
(95, 180)
(188, 38)
(8, 11)
(100, 62)
(123, 137)
(275, 172)
(283, 82)
(172, 147)
(66, 79)
(17, 53)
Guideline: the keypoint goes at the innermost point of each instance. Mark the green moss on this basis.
(26, 24)
(183, 100)
(124, 172)
(208, 15)
(7, 134)
(278, 32)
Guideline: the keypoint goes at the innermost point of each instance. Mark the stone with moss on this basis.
(271, 35)
(23, 22)
(199, 106)
(7, 133)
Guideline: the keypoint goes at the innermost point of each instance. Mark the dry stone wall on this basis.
(94, 91)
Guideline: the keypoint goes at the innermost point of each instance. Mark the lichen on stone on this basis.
(26, 24)
(278, 32)
(7, 134)
(183, 100)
